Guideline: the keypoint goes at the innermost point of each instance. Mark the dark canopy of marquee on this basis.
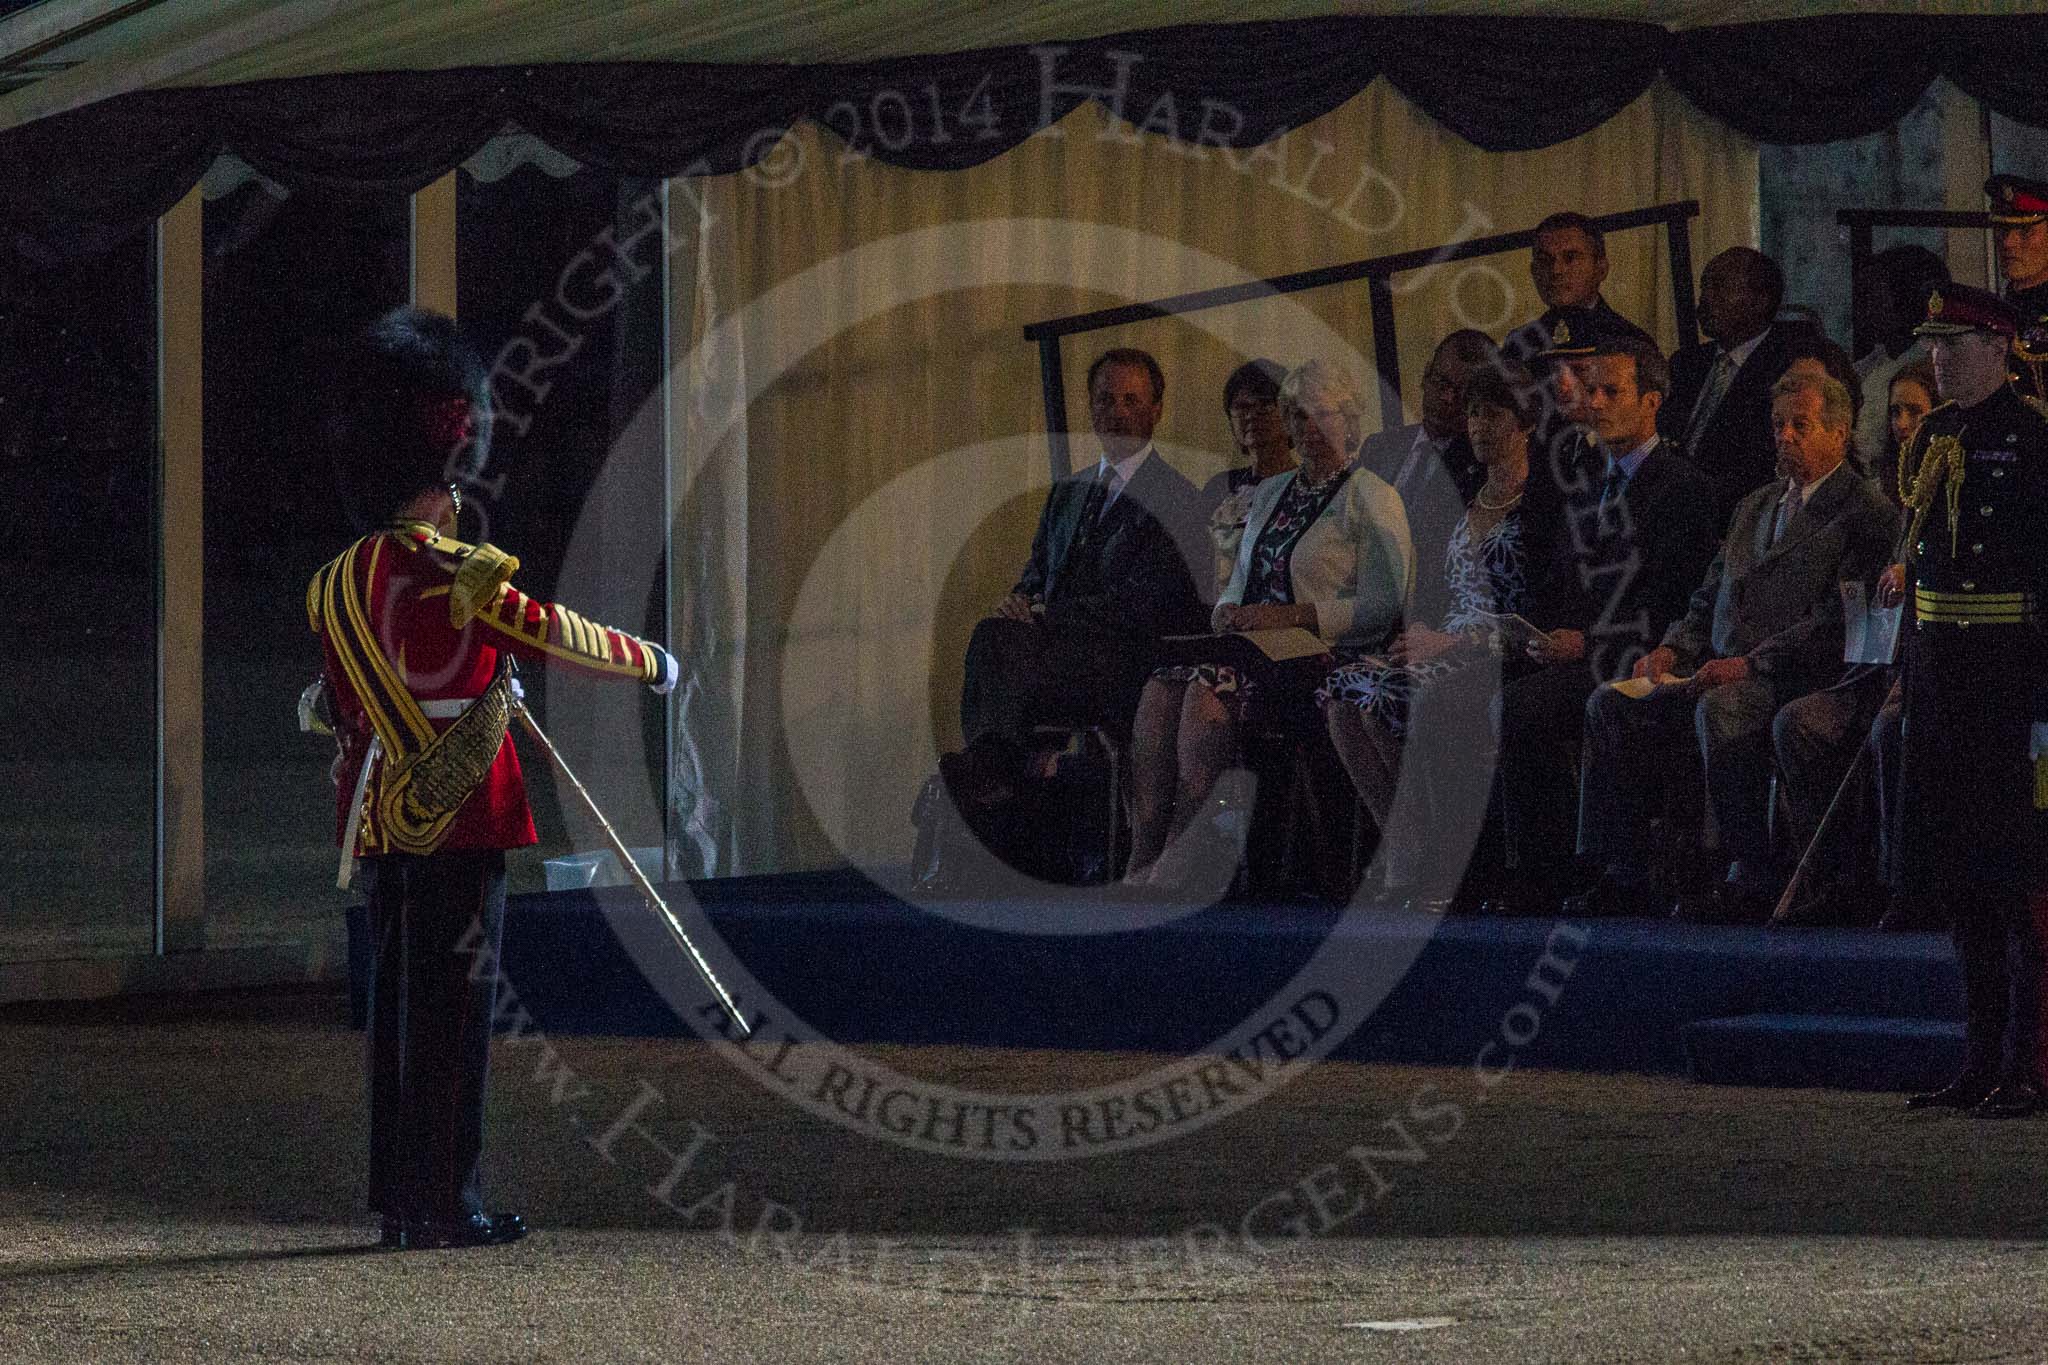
(81, 181)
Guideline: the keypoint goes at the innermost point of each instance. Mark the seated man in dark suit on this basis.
(1637, 534)
(1720, 408)
(1431, 465)
(1764, 626)
(1111, 570)
(1567, 264)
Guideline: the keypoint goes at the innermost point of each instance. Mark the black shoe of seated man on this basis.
(477, 1230)
(1611, 898)
(1727, 903)
(983, 774)
(1966, 1091)
(2012, 1100)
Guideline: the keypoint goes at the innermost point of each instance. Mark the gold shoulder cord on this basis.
(1909, 468)
(2033, 362)
(1941, 462)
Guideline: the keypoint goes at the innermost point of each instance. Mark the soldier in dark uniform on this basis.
(416, 629)
(2019, 222)
(1976, 685)
(1567, 264)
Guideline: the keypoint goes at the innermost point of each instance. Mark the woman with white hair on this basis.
(1325, 549)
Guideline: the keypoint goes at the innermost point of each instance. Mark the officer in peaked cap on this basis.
(2019, 224)
(1574, 335)
(1975, 561)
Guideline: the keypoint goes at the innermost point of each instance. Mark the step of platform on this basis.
(1841, 1052)
(858, 966)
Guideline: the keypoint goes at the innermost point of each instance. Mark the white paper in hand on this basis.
(1287, 642)
(1636, 689)
(1870, 633)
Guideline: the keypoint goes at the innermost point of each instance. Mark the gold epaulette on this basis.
(483, 572)
(480, 570)
(2039, 405)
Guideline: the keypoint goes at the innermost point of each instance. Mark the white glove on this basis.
(313, 709)
(671, 674)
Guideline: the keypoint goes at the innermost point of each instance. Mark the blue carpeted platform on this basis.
(1846, 1052)
(1634, 995)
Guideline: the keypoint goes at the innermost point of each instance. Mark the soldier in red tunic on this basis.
(418, 630)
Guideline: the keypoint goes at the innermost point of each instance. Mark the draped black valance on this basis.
(81, 181)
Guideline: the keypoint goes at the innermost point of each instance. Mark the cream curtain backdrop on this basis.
(863, 445)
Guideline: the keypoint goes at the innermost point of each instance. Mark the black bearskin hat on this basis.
(412, 411)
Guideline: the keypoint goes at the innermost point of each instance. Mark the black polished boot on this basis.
(477, 1230)
(1966, 1091)
(2013, 1100)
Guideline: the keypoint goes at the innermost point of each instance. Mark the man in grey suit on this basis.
(1764, 626)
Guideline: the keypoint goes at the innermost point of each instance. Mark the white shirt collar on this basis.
(1633, 460)
(1806, 489)
(1125, 467)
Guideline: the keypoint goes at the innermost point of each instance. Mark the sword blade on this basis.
(654, 900)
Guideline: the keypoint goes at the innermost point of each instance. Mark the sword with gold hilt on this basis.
(618, 846)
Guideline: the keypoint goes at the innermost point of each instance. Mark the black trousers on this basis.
(1969, 832)
(435, 926)
(1020, 674)
(1543, 715)
(1629, 747)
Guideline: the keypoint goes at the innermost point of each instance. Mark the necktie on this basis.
(1788, 506)
(1112, 488)
(1722, 375)
(1098, 495)
(1611, 488)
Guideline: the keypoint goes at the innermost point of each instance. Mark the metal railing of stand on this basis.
(1861, 223)
(1378, 272)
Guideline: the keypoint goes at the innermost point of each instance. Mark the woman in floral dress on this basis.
(1367, 704)
(1325, 549)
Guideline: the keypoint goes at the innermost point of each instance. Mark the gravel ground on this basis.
(182, 1181)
